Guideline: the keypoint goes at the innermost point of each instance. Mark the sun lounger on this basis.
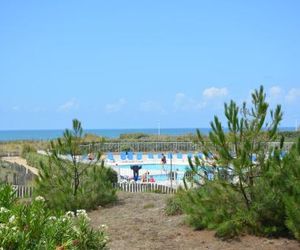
(200, 156)
(179, 156)
(139, 156)
(123, 156)
(110, 157)
(150, 156)
(170, 155)
(130, 156)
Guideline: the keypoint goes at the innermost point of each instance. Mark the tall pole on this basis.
(171, 172)
(158, 129)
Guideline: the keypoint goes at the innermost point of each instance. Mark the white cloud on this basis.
(16, 108)
(69, 105)
(185, 103)
(151, 106)
(215, 92)
(116, 106)
(275, 91)
(293, 95)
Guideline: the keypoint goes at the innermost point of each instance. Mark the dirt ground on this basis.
(138, 221)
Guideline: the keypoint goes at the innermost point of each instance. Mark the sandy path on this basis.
(137, 221)
(22, 162)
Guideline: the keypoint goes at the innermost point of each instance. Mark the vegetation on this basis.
(35, 160)
(173, 206)
(256, 189)
(33, 226)
(69, 184)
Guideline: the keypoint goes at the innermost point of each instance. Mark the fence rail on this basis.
(158, 146)
(27, 191)
(142, 146)
(23, 191)
(145, 187)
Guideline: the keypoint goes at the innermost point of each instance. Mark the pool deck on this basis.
(165, 169)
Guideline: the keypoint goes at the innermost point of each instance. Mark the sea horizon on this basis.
(49, 134)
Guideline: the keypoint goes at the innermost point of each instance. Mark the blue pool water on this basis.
(166, 167)
(165, 177)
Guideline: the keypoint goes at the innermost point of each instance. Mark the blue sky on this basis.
(130, 64)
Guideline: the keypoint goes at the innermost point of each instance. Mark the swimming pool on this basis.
(158, 171)
(165, 177)
(162, 172)
(166, 167)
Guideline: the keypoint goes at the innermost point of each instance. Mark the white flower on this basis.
(70, 214)
(52, 218)
(106, 238)
(103, 227)
(40, 198)
(3, 210)
(82, 213)
(12, 219)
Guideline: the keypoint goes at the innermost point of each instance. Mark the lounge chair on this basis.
(123, 156)
(200, 156)
(179, 156)
(189, 155)
(110, 156)
(130, 156)
(159, 156)
(170, 155)
(150, 156)
(139, 156)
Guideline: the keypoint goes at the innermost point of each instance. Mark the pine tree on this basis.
(70, 184)
(255, 187)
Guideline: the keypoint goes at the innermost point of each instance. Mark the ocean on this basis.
(13, 135)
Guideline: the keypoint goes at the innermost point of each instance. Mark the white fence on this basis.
(23, 191)
(145, 187)
(27, 191)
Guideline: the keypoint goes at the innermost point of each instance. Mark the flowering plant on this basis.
(32, 226)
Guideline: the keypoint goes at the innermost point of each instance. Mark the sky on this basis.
(134, 64)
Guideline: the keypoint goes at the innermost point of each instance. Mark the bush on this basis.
(35, 160)
(27, 148)
(96, 187)
(7, 196)
(70, 184)
(31, 226)
(258, 196)
(173, 206)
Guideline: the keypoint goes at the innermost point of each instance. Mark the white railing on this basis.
(23, 191)
(27, 191)
(145, 187)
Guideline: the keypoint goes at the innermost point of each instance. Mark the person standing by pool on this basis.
(163, 159)
(163, 162)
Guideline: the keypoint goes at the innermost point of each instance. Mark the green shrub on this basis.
(149, 205)
(259, 197)
(173, 206)
(69, 184)
(96, 187)
(7, 196)
(133, 136)
(35, 160)
(32, 226)
(27, 148)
